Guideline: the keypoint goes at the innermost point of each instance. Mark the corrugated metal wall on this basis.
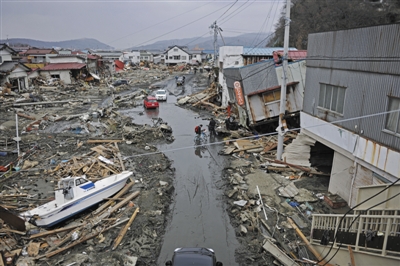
(253, 77)
(366, 62)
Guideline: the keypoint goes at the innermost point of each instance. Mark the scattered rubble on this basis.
(73, 131)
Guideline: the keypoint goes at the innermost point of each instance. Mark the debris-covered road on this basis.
(179, 194)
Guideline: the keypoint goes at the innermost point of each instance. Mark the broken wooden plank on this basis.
(55, 231)
(84, 239)
(33, 249)
(353, 262)
(295, 166)
(124, 230)
(13, 195)
(278, 253)
(205, 99)
(118, 195)
(308, 244)
(91, 141)
(119, 157)
(26, 116)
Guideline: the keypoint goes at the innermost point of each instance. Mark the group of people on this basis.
(211, 128)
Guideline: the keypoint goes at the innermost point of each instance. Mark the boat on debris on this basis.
(74, 195)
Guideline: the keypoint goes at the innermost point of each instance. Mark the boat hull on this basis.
(50, 214)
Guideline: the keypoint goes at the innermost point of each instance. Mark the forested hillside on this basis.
(311, 16)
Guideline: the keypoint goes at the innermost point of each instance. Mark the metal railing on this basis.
(377, 232)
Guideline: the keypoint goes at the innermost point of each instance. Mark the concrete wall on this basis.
(228, 56)
(5, 56)
(341, 176)
(64, 75)
(171, 53)
(343, 257)
(67, 59)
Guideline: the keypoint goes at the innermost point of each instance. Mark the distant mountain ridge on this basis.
(77, 44)
(206, 43)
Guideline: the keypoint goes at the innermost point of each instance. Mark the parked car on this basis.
(161, 95)
(193, 256)
(180, 81)
(150, 102)
(120, 82)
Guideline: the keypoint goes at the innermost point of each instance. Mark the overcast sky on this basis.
(129, 23)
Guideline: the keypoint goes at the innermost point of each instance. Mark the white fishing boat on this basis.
(75, 194)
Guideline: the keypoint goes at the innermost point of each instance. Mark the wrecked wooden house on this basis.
(255, 91)
(12, 73)
(350, 110)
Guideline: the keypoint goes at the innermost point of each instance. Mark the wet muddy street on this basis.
(198, 215)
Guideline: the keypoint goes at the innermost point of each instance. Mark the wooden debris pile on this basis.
(39, 244)
(266, 148)
(264, 145)
(102, 161)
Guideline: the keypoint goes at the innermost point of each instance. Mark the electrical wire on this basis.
(227, 10)
(340, 244)
(260, 135)
(161, 22)
(187, 24)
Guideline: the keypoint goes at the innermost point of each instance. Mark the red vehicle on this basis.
(150, 102)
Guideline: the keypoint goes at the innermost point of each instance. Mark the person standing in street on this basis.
(211, 127)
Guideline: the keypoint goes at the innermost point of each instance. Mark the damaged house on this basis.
(255, 90)
(12, 73)
(351, 108)
(238, 56)
(38, 58)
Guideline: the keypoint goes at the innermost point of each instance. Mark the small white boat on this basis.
(75, 194)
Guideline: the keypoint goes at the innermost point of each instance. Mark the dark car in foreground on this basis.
(193, 257)
(120, 82)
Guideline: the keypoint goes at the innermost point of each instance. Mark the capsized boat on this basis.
(74, 195)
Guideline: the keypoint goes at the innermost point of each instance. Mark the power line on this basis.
(392, 184)
(262, 135)
(187, 24)
(161, 22)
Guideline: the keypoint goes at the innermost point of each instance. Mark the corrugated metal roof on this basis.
(262, 50)
(293, 55)
(39, 51)
(63, 66)
(9, 66)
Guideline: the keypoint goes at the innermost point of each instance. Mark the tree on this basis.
(312, 16)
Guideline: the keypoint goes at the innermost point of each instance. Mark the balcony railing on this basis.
(373, 232)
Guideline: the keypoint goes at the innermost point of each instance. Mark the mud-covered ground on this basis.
(153, 175)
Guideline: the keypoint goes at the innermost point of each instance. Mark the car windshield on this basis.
(193, 260)
(151, 100)
(161, 92)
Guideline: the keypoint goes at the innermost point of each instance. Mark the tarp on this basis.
(94, 75)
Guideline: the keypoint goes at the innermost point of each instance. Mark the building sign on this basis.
(238, 93)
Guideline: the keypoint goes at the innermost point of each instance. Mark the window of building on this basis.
(55, 76)
(146, 57)
(392, 119)
(175, 49)
(1, 59)
(170, 57)
(177, 57)
(272, 96)
(332, 98)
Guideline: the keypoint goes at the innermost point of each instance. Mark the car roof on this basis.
(151, 97)
(193, 256)
(161, 91)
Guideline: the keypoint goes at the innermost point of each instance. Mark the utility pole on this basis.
(282, 123)
(216, 29)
